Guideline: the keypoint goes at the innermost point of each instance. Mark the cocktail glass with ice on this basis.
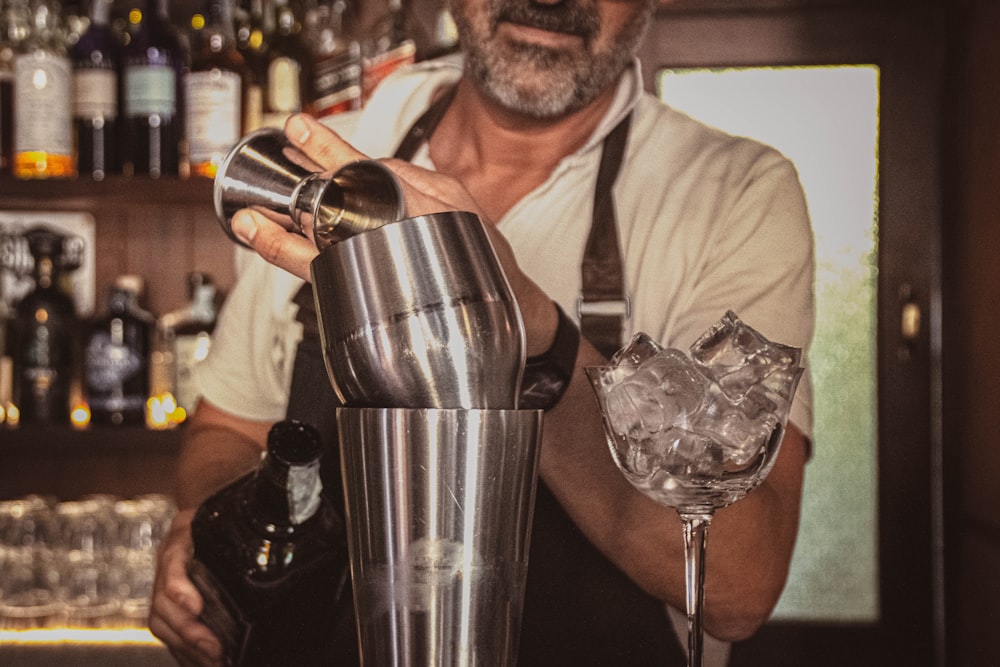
(697, 432)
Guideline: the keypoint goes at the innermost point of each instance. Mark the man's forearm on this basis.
(216, 450)
(750, 542)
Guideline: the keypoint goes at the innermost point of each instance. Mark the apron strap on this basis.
(424, 127)
(604, 304)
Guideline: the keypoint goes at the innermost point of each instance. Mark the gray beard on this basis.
(543, 83)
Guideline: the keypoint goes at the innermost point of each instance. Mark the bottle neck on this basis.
(203, 303)
(121, 300)
(284, 496)
(162, 10)
(100, 12)
(219, 24)
(287, 22)
(44, 272)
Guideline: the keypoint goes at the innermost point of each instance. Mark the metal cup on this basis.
(439, 508)
(264, 171)
(418, 313)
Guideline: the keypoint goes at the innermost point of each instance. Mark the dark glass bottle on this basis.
(336, 84)
(116, 361)
(13, 28)
(96, 67)
(153, 104)
(44, 331)
(270, 557)
(253, 36)
(289, 66)
(214, 91)
(390, 48)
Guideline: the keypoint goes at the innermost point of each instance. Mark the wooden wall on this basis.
(971, 358)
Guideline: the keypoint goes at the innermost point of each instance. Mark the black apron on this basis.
(579, 608)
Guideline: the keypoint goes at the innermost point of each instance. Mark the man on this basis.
(706, 223)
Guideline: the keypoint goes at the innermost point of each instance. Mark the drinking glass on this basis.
(28, 575)
(83, 554)
(697, 434)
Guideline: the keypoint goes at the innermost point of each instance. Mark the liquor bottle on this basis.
(390, 49)
(270, 557)
(43, 122)
(42, 344)
(214, 91)
(253, 34)
(116, 357)
(152, 98)
(186, 337)
(289, 66)
(336, 84)
(96, 66)
(13, 28)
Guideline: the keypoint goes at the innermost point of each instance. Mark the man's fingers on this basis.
(320, 143)
(176, 602)
(271, 241)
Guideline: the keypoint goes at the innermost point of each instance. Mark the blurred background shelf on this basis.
(62, 194)
(67, 463)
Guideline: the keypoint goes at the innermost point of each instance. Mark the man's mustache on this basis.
(567, 17)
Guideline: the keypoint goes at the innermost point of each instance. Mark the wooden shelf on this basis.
(56, 440)
(67, 464)
(113, 191)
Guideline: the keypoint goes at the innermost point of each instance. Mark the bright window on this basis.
(825, 119)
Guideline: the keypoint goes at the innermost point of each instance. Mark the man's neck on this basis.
(500, 156)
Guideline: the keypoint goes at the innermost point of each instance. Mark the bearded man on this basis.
(541, 127)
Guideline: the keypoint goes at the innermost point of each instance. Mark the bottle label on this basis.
(110, 364)
(253, 111)
(337, 84)
(95, 94)
(214, 113)
(378, 67)
(42, 120)
(150, 90)
(304, 489)
(283, 90)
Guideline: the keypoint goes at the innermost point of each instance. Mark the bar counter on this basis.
(80, 647)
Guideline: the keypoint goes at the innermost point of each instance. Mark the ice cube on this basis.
(677, 383)
(643, 455)
(666, 389)
(638, 350)
(634, 408)
(741, 427)
(738, 357)
(692, 455)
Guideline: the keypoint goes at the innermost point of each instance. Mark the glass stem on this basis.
(695, 535)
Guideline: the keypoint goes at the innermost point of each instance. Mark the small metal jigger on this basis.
(264, 172)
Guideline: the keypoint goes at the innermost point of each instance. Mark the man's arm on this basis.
(218, 448)
(750, 543)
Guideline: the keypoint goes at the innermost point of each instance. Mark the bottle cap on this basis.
(294, 442)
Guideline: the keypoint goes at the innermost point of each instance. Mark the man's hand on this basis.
(176, 602)
(424, 192)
